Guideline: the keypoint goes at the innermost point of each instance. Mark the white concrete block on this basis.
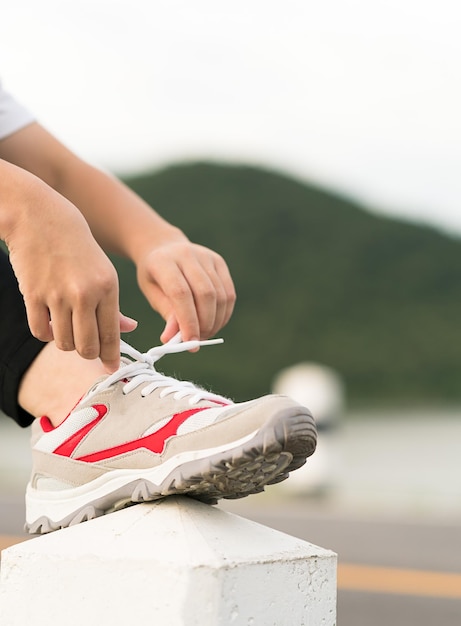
(177, 562)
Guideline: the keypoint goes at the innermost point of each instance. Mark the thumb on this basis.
(170, 330)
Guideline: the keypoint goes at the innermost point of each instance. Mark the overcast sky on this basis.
(361, 96)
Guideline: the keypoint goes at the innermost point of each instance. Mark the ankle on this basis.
(55, 382)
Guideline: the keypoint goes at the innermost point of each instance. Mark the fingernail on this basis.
(129, 319)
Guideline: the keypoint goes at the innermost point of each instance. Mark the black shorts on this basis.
(18, 348)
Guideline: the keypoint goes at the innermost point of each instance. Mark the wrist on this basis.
(155, 235)
(29, 205)
(17, 190)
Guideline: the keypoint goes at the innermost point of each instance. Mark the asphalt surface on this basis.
(394, 517)
(403, 547)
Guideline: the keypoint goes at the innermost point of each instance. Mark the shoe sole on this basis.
(240, 469)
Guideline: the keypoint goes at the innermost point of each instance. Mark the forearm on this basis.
(120, 220)
(26, 200)
(13, 194)
(189, 285)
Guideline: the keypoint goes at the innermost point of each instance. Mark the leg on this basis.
(35, 378)
(55, 381)
(18, 348)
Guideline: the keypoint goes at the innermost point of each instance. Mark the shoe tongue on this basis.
(93, 387)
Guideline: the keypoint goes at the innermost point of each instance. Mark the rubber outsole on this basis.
(278, 448)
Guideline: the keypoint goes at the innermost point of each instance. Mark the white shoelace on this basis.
(141, 370)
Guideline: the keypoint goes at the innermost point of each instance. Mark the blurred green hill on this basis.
(318, 278)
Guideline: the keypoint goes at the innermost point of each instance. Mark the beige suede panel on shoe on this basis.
(138, 459)
(74, 473)
(243, 420)
(129, 416)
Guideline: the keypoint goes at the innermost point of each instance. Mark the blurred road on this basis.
(391, 553)
(390, 572)
(393, 515)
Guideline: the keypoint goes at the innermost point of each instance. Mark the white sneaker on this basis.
(138, 435)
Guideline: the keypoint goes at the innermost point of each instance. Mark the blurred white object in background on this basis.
(321, 390)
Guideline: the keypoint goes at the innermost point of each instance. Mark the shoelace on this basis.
(142, 370)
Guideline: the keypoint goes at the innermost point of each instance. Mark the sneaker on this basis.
(138, 435)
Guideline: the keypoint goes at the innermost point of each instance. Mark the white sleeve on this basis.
(13, 116)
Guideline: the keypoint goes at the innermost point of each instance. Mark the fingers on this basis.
(177, 300)
(192, 289)
(92, 330)
(127, 324)
(38, 318)
(214, 293)
(84, 318)
(82, 332)
(61, 325)
(202, 303)
(96, 326)
(170, 330)
(226, 301)
(85, 333)
(108, 324)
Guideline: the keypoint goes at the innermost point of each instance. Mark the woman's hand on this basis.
(69, 285)
(190, 286)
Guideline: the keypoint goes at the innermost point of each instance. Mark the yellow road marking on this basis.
(367, 578)
(399, 581)
(9, 540)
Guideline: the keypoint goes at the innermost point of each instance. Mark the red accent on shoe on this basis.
(46, 424)
(68, 446)
(154, 442)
